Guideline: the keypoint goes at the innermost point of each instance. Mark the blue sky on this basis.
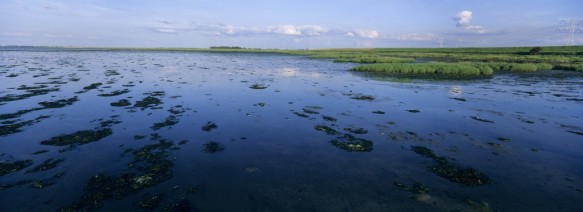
(286, 24)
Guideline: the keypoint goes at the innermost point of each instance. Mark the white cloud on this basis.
(16, 34)
(307, 30)
(364, 33)
(166, 29)
(463, 20)
(415, 37)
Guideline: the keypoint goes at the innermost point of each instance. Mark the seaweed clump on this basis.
(121, 103)
(12, 128)
(151, 165)
(209, 126)
(258, 86)
(114, 93)
(148, 101)
(79, 137)
(6, 168)
(357, 145)
(59, 103)
(46, 165)
(170, 120)
(454, 173)
(212, 147)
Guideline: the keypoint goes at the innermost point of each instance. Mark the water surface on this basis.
(263, 132)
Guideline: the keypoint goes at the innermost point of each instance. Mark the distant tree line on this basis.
(225, 47)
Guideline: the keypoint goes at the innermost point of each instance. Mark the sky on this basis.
(293, 24)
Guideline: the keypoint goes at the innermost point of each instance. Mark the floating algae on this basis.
(456, 174)
(310, 111)
(258, 86)
(212, 147)
(326, 129)
(481, 119)
(418, 191)
(151, 168)
(91, 87)
(121, 103)
(180, 205)
(15, 127)
(303, 115)
(59, 103)
(114, 93)
(357, 145)
(209, 126)
(6, 168)
(170, 120)
(79, 137)
(46, 165)
(356, 130)
(148, 101)
(363, 97)
(28, 94)
(150, 201)
(329, 118)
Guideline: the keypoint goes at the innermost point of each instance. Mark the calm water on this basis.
(262, 132)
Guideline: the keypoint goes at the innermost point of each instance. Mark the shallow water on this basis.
(255, 132)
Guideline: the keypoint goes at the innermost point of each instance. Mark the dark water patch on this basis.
(329, 118)
(413, 111)
(178, 206)
(454, 173)
(114, 93)
(504, 139)
(59, 103)
(6, 167)
(170, 121)
(575, 132)
(212, 147)
(121, 103)
(477, 118)
(378, 112)
(458, 99)
(418, 191)
(359, 130)
(258, 86)
(46, 165)
(139, 137)
(78, 138)
(40, 152)
(12, 75)
(15, 127)
(150, 202)
(260, 104)
(209, 126)
(574, 99)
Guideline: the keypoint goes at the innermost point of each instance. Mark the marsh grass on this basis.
(426, 69)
